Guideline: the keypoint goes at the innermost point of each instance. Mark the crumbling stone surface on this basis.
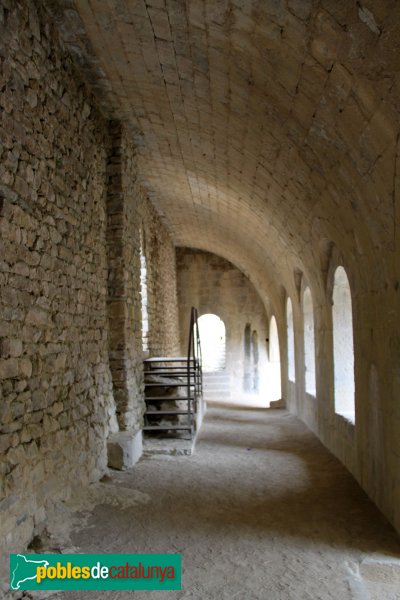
(56, 397)
(70, 354)
(163, 336)
(123, 247)
(131, 218)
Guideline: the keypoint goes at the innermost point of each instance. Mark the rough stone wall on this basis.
(130, 216)
(163, 334)
(56, 398)
(71, 211)
(214, 285)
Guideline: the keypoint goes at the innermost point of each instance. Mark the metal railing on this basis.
(194, 361)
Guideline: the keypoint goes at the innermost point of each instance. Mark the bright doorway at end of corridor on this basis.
(213, 343)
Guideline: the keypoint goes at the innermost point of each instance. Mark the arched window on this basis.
(290, 340)
(274, 361)
(143, 294)
(309, 342)
(343, 349)
(213, 345)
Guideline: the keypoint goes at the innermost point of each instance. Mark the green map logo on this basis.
(95, 571)
(25, 570)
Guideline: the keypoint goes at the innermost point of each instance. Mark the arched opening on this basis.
(343, 348)
(274, 362)
(309, 342)
(290, 340)
(213, 343)
(143, 295)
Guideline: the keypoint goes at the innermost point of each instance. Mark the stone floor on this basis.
(260, 511)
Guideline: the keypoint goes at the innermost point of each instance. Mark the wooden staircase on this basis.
(173, 388)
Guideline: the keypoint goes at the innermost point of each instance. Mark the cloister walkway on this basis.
(262, 511)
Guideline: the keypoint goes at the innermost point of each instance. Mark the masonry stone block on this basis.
(124, 449)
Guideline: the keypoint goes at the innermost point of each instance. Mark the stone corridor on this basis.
(237, 156)
(262, 511)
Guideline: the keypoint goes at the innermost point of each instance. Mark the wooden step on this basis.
(167, 427)
(170, 370)
(180, 378)
(166, 359)
(170, 363)
(181, 373)
(170, 367)
(175, 384)
(168, 398)
(160, 413)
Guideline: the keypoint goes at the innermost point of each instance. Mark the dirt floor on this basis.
(261, 511)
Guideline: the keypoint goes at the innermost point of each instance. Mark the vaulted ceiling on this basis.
(265, 128)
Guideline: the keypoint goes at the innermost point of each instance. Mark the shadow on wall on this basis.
(251, 378)
(262, 377)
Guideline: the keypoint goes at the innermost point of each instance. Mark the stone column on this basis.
(123, 248)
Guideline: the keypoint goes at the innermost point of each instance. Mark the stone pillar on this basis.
(123, 248)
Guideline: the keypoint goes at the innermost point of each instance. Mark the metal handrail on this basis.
(199, 357)
(194, 357)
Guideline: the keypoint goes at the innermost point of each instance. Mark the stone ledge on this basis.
(277, 404)
(124, 449)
